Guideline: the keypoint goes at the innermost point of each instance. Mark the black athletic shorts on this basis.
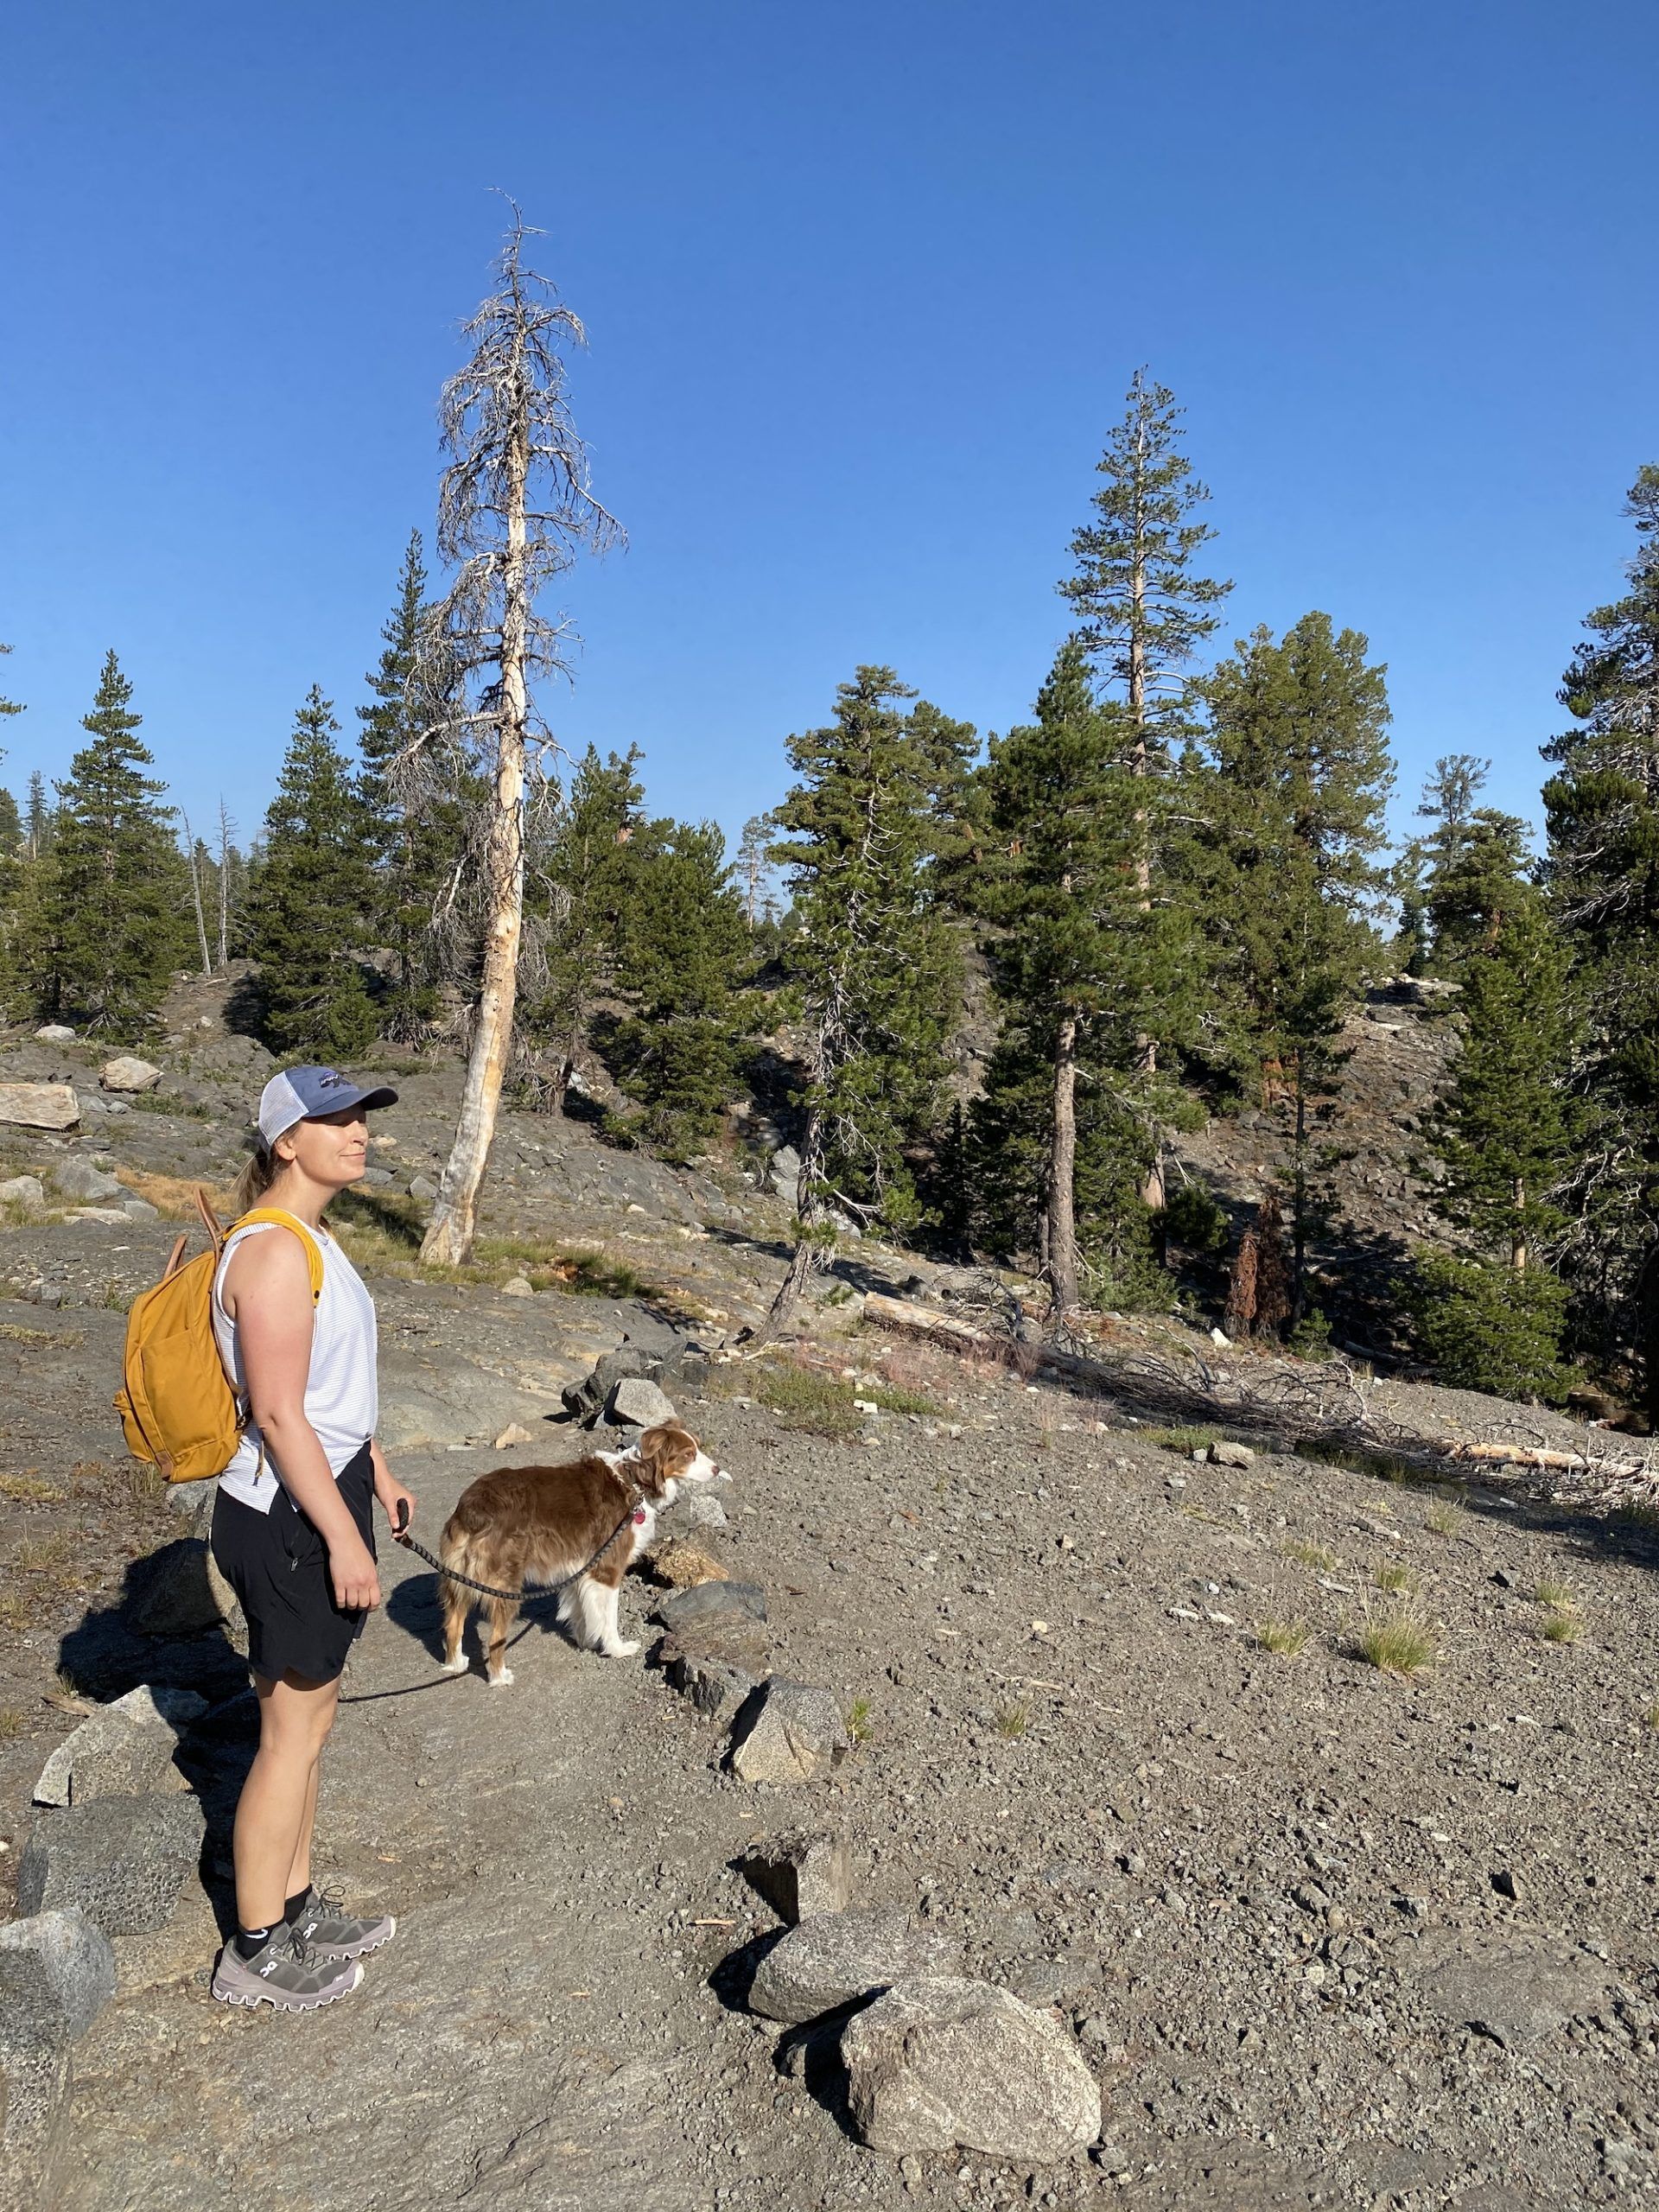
(277, 1565)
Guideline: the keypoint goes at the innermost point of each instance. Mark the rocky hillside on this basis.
(1232, 1828)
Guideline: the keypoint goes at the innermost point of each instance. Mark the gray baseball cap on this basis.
(299, 1094)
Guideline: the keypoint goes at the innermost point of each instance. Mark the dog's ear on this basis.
(667, 1452)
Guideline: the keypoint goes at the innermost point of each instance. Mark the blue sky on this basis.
(864, 285)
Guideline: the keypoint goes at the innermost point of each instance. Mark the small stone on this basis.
(139, 1209)
(514, 1432)
(793, 1733)
(25, 1192)
(517, 1287)
(702, 1511)
(834, 1958)
(801, 1876)
(1506, 1885)
(685, 1565)
(708, 1601)
(1220, 1337)
(1226, 1455)
(422, 1188)
(39, 1105)
(715, 1689)
(637, 1403)
(129, 1073)
(937, 2064)
(55, 1032)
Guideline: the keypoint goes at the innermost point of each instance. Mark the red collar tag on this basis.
(638, 1516)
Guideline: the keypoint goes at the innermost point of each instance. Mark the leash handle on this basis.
(401, 1532)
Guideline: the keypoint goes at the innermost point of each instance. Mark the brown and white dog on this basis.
(518, 1527)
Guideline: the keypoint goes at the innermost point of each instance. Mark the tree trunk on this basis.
(1062, 1240)
(448, 1239)
(1298, 1222)
(808, 1213)
(1518, 1254)
(196, 894)
(224, 890)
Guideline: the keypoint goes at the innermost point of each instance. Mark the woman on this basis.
(294, 1527)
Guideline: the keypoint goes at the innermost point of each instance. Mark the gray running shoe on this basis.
(283, 1974)
(325, 1926)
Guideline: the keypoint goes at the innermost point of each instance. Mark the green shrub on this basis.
(1484, 1328)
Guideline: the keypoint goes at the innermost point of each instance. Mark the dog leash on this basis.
(635, 1513)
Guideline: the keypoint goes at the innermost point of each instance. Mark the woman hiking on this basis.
(293, 1528)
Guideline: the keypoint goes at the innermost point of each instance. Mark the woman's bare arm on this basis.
(267, 1292)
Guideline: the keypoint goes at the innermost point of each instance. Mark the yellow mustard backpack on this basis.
(176, 1403)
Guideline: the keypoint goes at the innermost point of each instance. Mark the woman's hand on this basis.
(351, 1570)
(399, 1502)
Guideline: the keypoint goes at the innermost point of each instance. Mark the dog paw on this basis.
(619, 1650)
(503, 1680)
(458, 1665)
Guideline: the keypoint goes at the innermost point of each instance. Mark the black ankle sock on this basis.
(251, 1941)
(292, 1910)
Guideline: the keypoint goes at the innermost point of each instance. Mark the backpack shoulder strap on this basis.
(280, 1220)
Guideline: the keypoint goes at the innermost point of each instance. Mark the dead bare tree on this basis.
(192, 854)
(225, 850)
(514, 511)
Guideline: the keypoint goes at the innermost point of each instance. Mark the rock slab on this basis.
(26, 1193)
(39, 1105)
(178, 1591)
(57, 1973)
(711, 1601)
(939, 2063)
(792, 1733)
(123, 1750)
(835, 1958)
(637, 1402)
(78, 1178)
(121, 1861)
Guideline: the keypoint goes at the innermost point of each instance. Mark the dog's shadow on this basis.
(415, 1606)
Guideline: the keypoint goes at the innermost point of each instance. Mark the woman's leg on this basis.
(278, 1803)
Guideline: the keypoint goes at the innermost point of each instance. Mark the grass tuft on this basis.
(12, 1723)
(1186, 1441)
(1448, 1516)
(25, 1489)
(1399, 1581)
(1010, 1720)
(1558, 1626)
(1399, 1641)
(860, 1725)
(1320, 1557)
(1286, 1637)
(1557, 1595)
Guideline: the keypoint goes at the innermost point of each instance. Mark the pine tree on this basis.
(39, 817)
(1454, 883)
(307, 905)
(112, 921)
(683, 949)
(1142, 613)
(1492, 1320)
(1602, 874)
(1082, 980)
(416, 825)
(582, 881)
(874, 963)
(9, 706)
(1298, 775)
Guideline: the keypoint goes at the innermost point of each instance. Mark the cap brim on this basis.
(383, 1096)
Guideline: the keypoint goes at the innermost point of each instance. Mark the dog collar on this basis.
(638, 1516)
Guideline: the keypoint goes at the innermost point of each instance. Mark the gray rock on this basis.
(377, 1178)
(640, 1404)
(127, 1072)
(1231, 1455)
(835, 1958)
(783, 1172)
(679, 1610)
(139, 1209)
(57, 1973)
(518, 1287)
(26, 1193)
(39, 1105)
(55, 1032)
(120, 1860)
(123, 1750)
(801, 1876)
(178, 1591)
(702, 1511)
(33, 2086)
(78, 1178)
(937, 2064)
(791, 1734)
(716, 1689)
(423, 1188)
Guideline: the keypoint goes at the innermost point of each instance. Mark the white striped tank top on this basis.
(342, 1391)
